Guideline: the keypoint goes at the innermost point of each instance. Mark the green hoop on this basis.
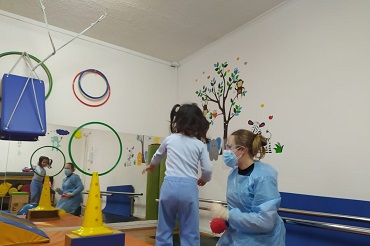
(64, 157)
(70, 144)
(38, 61)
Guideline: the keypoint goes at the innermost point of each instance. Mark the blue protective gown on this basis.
(253, 202)
(71, 184)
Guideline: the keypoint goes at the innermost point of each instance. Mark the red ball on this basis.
(218, 225)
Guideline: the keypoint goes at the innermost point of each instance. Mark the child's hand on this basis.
(201, 182)
(148, 168)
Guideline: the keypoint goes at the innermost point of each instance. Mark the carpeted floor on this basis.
(56, 230)
(57, 238)
(204, 240)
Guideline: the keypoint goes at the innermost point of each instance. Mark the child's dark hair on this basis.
(189, 120)
(50, 161)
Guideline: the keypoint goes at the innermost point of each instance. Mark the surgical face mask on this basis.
(67, 172)
(230, 158)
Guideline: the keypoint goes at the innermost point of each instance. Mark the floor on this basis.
(147, 235)
(139, 232)
(143, 231)
(143, 234)
(113, 218)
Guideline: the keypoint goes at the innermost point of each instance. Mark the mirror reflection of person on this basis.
(38, 178)
(71, 191)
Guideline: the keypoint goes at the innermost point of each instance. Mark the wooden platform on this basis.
(57, 229)
(42, 215)
(137, 233)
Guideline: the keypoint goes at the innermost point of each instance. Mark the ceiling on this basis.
(169, 30)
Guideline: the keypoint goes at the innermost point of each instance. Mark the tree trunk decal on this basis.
(141, 139)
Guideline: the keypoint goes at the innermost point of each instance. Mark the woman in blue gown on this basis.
(71, 191)
(252, 195)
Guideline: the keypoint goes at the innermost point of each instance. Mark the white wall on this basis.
(308, 63)
(101, 157)
(138, 82)
(16, 155)
(143, 91)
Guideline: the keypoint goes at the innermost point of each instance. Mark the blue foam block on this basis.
(29, 117)
(115, 239)
(17, 136)
(21, 223)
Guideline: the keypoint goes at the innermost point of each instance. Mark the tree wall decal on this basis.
(220, 94)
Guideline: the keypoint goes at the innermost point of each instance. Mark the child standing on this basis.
(185, 147)
(38, 177)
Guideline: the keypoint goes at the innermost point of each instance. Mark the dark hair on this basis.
(72, 166)
(50, 161)
(189, 120)
(253, 142)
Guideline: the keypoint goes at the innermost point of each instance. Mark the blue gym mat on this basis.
(23, 113)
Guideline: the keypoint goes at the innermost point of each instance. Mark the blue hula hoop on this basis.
(99, 73)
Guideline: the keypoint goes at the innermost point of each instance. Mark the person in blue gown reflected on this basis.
(71, 191)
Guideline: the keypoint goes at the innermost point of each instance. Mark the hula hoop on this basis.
(96, 72)
(90, 105)
(50, 147)
(37, 60)
(70, 149)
